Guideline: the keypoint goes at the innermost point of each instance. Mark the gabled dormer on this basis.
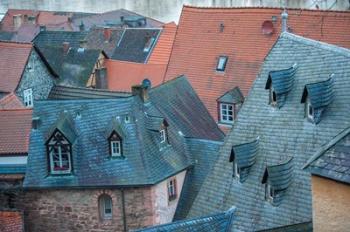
(279, 83)
(116, 134)
(159, 125)
(316, 97)
(243, 158)
(277, 179)
(59, 143)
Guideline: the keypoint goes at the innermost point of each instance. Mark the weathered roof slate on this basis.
(333, 159)
(6, 169)
(56, 38)
(283, 133)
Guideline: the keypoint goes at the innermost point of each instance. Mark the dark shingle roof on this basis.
(232, 96)
(56, 38)
(220, 222)
(132, 43)
(283, 133)
(146, 161)
(74, 67)
(333, 160)
(68, 92)
(6, 35)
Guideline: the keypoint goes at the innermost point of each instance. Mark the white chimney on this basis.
(284, 16)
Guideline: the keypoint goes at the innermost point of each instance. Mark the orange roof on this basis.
(11, 221)
(15, 127)
(162, 50)
(199, 43)
(122, 75)
(10, 101)
(13, 60)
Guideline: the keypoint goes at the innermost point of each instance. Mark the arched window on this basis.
(59, 152)
(105, 206)
(115, 145)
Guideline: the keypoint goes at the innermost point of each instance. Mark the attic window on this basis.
(236, 170)
(269, 193)
(59, 152)
(115, 143)
(28, 97)
(149, 44)
(163, 135)
(309, 110)
(221, 65)
(273, 97)
(172, 189)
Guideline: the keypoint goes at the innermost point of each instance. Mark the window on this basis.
(309, 110)
(221, 65)
(105, 206)
(115, 145)
(163, 136)
(269, 193)
(226, 113)
(273, 97)
(59, 150)
(172, 189)
(236, 170)
(149, 44)
(28, 97)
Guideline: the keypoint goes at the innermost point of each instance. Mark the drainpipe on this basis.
(123, 208)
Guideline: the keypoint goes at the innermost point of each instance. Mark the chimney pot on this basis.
(141, 91)
(65, 47)
(107, 33)
(284, 17)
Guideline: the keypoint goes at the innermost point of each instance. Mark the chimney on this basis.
(35, 123)
(42, 28)
(82, 26)
(122, 19)
(65, 47)
(141, 91)
(284, 17)
(17, 21)
(83, 43)
(101, 78)
(107, 33)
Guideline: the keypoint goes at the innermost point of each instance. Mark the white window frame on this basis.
(162, 136)
(103, 207)
(269, 192)
(273, 102)
(236, 170)
(221, 65)
(116, 149)
(172, 189)
(308, 107)
(28, 97)
(224, 112)
(53, 171)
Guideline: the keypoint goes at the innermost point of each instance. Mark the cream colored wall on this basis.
(165, 210)
(331, 205)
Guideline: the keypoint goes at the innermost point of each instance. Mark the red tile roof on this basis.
(10, 101)
(162, 50)
(122, 75)
(15, 127)
(11, 221)
(13, 60)
(199, 43)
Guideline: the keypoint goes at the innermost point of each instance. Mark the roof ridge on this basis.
(16, 42)
(24, 109)
(83, 88)
(315, 43)
(259, 7)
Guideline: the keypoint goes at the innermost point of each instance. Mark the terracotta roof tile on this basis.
(162, 50)
(15, 129)
(122, 75)
(11, 221)
(199, 43)
(10, 101)
(13, 60)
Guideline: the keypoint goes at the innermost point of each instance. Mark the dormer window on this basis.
(236, 170)
(163, 135)
(221, 65)
(59, 151)
(28, 97)
(149, 44)
(273, 97)
(115, 143)
(309, 110)
(269, 193)
(229, 104)
(227, 113)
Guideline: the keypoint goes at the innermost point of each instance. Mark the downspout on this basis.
(123, 208)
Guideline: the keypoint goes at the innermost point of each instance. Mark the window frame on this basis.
(221, 68)
(163, 135)
(51, 146)
(236, 170)
(172, 189)
(102, 203)
(221, 115)
(269, 193)
(118, 148)
(272, 95)
(308, 106)
(149, 44)
(28, 98)
(113, 139)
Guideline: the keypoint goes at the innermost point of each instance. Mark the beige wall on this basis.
(331, 205)
(164, 209)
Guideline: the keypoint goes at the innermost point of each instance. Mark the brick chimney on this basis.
(17, 21)
(141, 91)
(101, 78)
(107, 33)
(284, 17)
(65, 47)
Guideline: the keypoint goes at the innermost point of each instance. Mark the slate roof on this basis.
(132, 43)
(145, 162)
(68, 92)
(15, 127)
(11, 221)
(283, 134)
(13, 60)
(232, 96)
(6, 169)
(199, 43)
(74, 68)
(333, 159)
(220, 222)
(56, 38)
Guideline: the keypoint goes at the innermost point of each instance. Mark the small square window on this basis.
(28, 97)
(227, 113)
(221, 65)
(172, 189)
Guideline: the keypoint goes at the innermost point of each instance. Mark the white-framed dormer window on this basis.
(269, 193)
(115, 148)
(162, 133)
(28, 97)
(309, 110)
(59, 151)
(172, 189)
(226, 113)
(236, 170)
(221, 65)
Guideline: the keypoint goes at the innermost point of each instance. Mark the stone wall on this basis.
(331, 205)
(37, 77)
